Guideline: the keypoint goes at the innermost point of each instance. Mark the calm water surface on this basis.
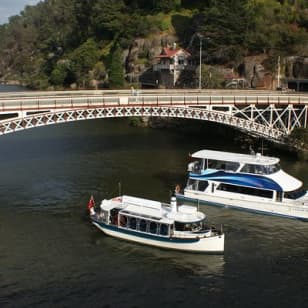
(51, 256)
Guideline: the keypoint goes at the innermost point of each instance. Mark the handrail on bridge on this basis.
(9, 104)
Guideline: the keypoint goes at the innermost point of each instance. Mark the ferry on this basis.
(250, 182)
(171, 226)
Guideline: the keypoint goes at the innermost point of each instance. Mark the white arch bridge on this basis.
(272, 115)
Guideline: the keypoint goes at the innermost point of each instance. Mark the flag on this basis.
(91, 203)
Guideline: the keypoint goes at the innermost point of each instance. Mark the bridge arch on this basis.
(181, 112)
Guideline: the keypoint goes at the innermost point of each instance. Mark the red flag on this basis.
(91, 203)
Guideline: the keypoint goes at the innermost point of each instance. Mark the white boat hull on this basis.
(213, 244)
(283, 209)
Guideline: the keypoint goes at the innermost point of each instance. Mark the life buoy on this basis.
(177, 188)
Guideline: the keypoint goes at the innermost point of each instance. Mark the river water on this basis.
(51, 256)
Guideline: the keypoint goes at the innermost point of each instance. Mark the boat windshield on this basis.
(295, 194)
(260, 169)
(222, 165)
(193, 227)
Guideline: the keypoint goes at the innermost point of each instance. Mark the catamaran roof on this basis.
(257, 159)
(286, 181)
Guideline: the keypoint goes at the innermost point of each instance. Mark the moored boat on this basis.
(254, 183)
(157, 224)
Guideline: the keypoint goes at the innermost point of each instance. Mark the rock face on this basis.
(251, 70)
(296, 67)
(255, 70)
(140, 56)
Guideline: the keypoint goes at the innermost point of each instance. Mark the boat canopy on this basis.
(144, 208)
(256, 159)
(285, 181)
(137, 210)
(142, 202)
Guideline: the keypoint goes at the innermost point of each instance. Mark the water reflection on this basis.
(193, 263)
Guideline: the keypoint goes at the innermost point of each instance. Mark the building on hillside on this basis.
(171, 62)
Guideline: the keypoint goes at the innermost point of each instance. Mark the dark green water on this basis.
(51, 256)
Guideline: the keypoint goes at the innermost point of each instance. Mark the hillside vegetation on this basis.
(60, 43)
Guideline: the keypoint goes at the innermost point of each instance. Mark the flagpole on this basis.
(120, 189)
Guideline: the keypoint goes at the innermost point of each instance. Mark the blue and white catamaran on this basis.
(253, 183)
(158, 224)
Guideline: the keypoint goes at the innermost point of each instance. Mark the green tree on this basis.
(224, 23)
(59, 75)
(83, 60)
(106, 18)
(212, 78)
(116, 70)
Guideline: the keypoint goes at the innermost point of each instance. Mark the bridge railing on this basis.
(64, 102)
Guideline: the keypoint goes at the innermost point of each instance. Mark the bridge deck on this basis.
(265, 113)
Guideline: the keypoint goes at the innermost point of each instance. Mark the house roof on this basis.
(171, 52)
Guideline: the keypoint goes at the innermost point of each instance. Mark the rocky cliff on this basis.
(258, 71)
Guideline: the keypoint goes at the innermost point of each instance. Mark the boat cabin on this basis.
(253, 176)
(232, 162)
(152, 217)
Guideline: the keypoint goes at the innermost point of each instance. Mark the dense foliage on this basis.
(63, 42)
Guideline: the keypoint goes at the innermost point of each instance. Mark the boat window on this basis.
(223, 165)
(133, 223)
(163, 229)
(246, 190)
(203, 185)
(153, 227)
(179, 226)
(196, 226)
(143, 225)
(273, 168)
(104, 216)
(279, 196)
(260, 169)
(193, 227)
(192, 184)
(123, 221)
(254, 169)
(295, 194)
(195, 166)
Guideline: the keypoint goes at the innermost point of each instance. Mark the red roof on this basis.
(170, 52)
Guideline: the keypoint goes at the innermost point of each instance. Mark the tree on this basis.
(225, 23)
(212, 78)
(83, 60)
(116, 75)
(106, 18)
